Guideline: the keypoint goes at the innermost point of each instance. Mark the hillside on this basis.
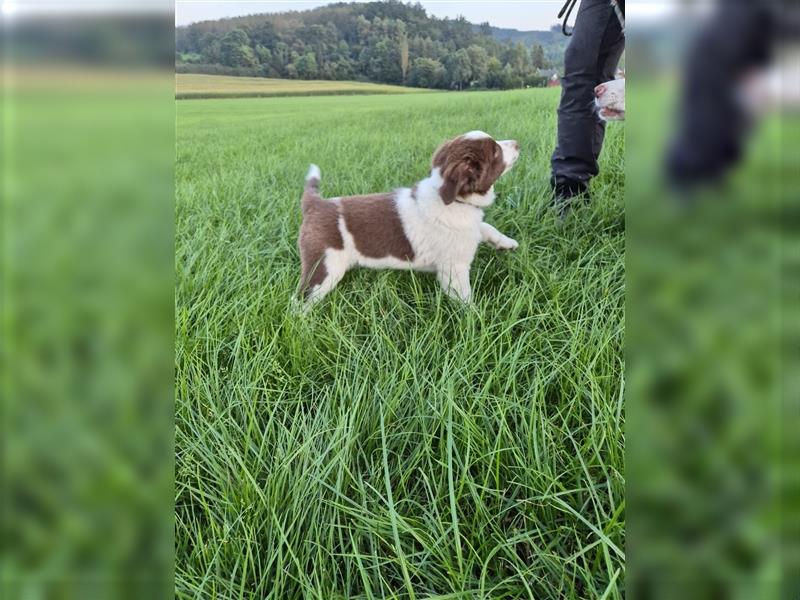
(553, 41)
(379, 42)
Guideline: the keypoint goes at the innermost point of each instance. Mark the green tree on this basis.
(212, 52)
(518, 59)
(510, 79)
(459, 68)
(494, 73)
(427, 73)
(236, 51)
(282, 53)
(479, 61)
(263, 54)
(306, 66)
(263, 34)
(404, 55)
(344, 69)
(537, 57)
(382, 61)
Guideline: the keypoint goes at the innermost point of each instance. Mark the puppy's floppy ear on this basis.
(448, 191)
(456, 180)
(459, 169)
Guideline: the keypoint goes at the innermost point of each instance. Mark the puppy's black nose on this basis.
(515, 143)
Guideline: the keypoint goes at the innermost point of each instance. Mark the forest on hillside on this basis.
(381, 42)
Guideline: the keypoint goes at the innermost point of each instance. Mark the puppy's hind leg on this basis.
(333, 266)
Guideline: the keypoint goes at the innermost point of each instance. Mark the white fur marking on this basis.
(479, 200)
(496, 239)
(476, 135)
(510, 150)
(610, 100)
(313, 173)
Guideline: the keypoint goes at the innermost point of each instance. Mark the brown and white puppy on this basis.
(434, 226)
(610, 100)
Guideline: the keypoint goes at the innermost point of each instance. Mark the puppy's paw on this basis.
(298, 307)
(506, 243)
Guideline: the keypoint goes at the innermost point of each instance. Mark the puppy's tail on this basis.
(312, 181)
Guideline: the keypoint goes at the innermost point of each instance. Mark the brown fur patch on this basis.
(375, 225)
(319, 231)
(468, 166)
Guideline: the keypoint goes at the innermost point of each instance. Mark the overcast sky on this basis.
(518, 14)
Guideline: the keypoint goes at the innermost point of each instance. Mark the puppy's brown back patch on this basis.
(375, 225)
(319, 231)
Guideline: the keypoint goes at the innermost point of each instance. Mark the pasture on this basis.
(393, 443)
(191, 85)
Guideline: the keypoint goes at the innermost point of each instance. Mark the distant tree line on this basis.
(382, 42)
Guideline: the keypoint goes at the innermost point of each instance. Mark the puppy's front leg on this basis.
(490, 235)
(454, 280)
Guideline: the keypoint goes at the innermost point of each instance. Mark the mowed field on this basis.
(190, 85)
(393, 443)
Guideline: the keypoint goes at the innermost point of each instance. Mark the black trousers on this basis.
(591, 58)
(712, 123)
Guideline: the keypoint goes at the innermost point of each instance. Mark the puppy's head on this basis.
(609, 98)
(470, 164)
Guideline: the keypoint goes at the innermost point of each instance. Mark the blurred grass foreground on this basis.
(712, 328)
(87, 230)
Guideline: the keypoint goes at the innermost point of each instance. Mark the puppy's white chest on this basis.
(451, 241)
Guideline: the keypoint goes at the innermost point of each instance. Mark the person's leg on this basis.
(611, 50)
(574, 161)
(712, 123)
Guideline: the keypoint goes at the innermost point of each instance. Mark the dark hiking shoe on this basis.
(568, 193)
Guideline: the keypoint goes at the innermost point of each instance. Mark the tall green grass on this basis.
(393, 443)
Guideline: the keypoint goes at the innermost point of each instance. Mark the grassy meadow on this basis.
(191, 85)
(393, 443)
